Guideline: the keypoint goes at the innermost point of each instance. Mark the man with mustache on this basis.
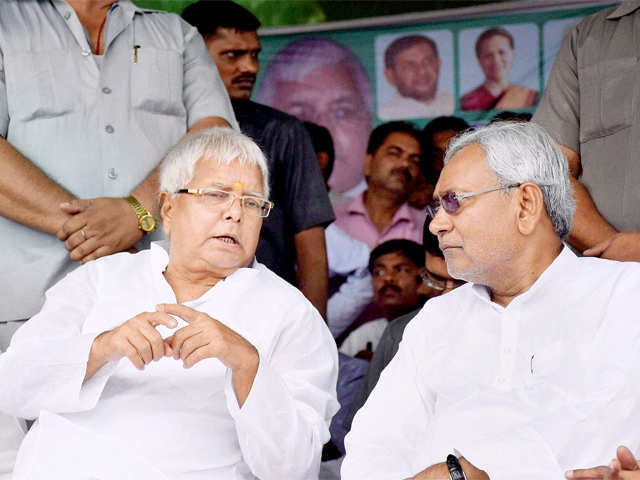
(292, 238)
(395, 269)
(381, 212)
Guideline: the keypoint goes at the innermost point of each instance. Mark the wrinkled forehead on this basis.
(231, 174)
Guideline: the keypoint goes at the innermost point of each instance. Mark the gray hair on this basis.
(223, 144)
(520, 152)
(300, 57)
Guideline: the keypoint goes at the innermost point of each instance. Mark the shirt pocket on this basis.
(607, 91)
(156, 82)
(39, 84)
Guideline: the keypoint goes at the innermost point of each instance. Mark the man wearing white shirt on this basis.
(530, 369)
(188, 360)
(412, 65)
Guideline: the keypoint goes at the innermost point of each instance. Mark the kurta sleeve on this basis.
(45, 364)
(383, 424)
(204, 94)
(284, 421)
(559, 108)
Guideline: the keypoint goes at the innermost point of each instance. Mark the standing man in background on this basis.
(301, 205)
(591, 107)
(92, 95)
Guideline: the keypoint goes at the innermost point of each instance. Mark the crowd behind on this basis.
(282, 309)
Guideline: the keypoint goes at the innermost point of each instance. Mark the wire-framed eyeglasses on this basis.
(256, 206)
(450, 201)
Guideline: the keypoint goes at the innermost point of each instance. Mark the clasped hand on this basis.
(98, 227)
(203, 337)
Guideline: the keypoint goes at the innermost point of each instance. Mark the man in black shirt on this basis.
(293, 234)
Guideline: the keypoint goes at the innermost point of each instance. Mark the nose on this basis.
(248, 64)
(441, 223)
(233, 210)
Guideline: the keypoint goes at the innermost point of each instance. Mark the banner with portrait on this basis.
(471, 66)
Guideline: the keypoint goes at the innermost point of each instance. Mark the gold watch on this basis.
(146, 222)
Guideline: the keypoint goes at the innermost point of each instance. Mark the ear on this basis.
(531, 208)
(166, 211)
(390, 76)
(367, 164)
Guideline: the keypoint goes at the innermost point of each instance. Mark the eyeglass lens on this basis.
(449, 202)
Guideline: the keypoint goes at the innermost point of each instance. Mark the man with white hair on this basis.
(531, 368)
(189, 360)
(323, 82)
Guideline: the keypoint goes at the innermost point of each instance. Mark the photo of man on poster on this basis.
(412, 65)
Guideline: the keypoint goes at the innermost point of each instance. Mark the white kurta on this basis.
(549, 383)
(167, 422)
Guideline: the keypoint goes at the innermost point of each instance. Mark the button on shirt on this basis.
(353, 218)
(167, 421)
(54, 110)
(592, 105)
(547, 384)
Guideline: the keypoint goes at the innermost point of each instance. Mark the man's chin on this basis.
(237, 93)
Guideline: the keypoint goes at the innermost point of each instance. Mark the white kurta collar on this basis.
(548, 276)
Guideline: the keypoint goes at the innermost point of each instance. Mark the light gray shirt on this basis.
(95, 129)
(592, 105)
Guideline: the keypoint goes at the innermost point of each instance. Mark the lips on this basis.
(446, 247)
(244, 80)
(388, 290)
(403, 172)
(227, 239)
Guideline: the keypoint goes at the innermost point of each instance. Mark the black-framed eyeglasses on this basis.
(450, 201)
(256, 206)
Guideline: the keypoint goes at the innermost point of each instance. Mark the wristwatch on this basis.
(455, 470)
(146, 222)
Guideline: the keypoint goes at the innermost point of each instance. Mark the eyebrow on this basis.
(230, 187)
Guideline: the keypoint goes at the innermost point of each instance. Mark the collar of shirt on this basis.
(119, 17)
(160, 260)
(559, 264)
(357, 207)
(624, 9)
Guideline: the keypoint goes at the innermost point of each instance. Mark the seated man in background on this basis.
(436, 136)
(531, 368)
(349, 278)
(188, 360)
(292, 237)
(395, 269)
(435, 281)
(391, 165)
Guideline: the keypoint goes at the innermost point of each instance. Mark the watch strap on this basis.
(455, 470)
(140, 211)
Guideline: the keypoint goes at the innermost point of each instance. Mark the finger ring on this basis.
(84, 234)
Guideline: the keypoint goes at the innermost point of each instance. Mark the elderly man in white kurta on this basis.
(186, 361)
(529, 370)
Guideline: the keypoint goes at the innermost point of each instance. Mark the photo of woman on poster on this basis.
(495, 50)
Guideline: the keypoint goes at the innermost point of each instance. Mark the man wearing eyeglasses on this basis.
(292, 238)
(186, 360)
(528, 370)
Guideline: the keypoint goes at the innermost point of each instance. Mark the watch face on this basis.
(147, 223)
